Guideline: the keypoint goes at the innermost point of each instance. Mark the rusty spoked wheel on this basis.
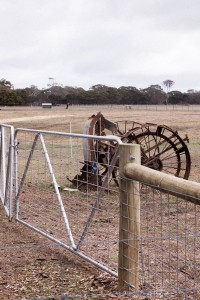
(162, 149)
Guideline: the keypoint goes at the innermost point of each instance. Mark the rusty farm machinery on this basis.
(162, 149)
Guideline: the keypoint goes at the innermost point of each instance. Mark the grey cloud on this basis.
(110, 41)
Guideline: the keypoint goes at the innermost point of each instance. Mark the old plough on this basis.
(162, 149)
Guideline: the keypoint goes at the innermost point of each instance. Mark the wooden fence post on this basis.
(129, 227)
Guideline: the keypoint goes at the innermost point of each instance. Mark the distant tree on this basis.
(9, 97)
(176, 97)
(156, 94)
(193, 97)
(168, 84)
(33, 91)
(131, 95)
(192, 91)
(99, 87)
(32, 95)
(5, 83)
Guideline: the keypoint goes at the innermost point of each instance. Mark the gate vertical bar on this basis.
(129, 231)
(16, 204)
(11, 169)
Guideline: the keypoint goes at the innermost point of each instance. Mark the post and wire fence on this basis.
(108, 228)
(161, 221)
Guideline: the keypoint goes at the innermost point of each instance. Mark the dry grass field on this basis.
(184, 119)
(31, 266)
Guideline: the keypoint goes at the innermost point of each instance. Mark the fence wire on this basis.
(76, 207)
(169, 246)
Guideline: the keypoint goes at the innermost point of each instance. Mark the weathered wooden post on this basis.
(129, 231)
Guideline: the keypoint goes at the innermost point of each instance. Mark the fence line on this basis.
(130, 208)
(148, 107)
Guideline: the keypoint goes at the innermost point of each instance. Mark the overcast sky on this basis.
(113, 42)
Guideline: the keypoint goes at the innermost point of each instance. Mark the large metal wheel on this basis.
(162, 149)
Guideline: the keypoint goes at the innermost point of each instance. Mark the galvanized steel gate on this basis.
(47, 202)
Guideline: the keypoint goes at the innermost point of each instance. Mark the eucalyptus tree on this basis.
(6, 83)
(168, 84)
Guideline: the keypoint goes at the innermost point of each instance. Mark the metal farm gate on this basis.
(48, 202)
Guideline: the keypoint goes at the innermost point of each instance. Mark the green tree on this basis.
(9, 97)
(168, 84)
(176, 97)
(156, 94)
(131, 95)
(5, 83)
(193, 97)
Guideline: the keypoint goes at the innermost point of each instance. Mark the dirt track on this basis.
(34, 118)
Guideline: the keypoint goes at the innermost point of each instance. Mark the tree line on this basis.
(97, 95)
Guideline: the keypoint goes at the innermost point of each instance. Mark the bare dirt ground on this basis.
(32, 266)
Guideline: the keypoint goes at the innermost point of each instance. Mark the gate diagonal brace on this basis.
(55, 184)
